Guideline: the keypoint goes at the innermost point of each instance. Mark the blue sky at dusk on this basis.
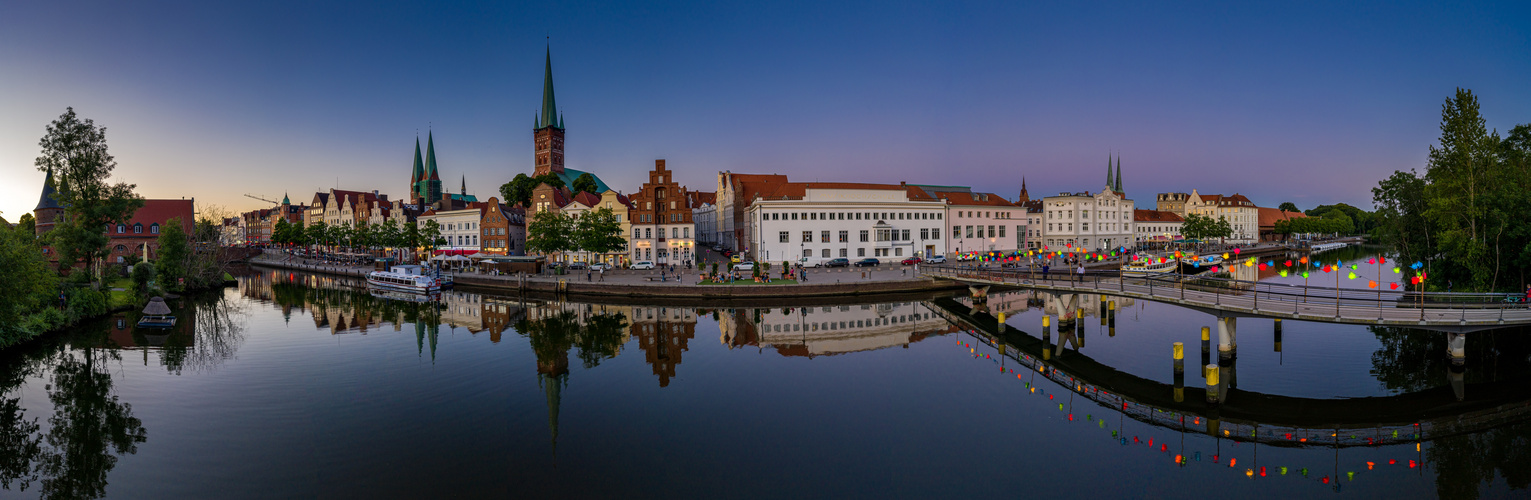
(1304, 102)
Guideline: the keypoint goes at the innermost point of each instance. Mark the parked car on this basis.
(735, 259)
(600, 266)
(842, 262)
(642, 265)
(964, 257)
(744, 266)
(809, 262)
(936, 259)
(717, 248)
(911, 261)
(577, 265)
(867, 262)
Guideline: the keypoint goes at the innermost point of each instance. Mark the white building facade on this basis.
(1093, 222)
(984, 222)
(460, 229)
(822, 221)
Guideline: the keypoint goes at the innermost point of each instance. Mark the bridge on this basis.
(1243, 415)
(1229, 299)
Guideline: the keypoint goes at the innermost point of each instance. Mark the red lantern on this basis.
(1393, 285)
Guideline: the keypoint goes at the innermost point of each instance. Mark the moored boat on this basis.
(1324, 247)
(1192, 264)
(408, 278)
(1149, 265)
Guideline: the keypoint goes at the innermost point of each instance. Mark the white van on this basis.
(810, 262)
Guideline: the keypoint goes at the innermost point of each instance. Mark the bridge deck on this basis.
(1441, 311)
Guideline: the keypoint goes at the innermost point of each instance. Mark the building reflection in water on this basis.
(830, 330)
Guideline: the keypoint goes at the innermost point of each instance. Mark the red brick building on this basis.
(142, 230)
(661, 220)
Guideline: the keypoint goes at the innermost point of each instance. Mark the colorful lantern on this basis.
(1393, 285)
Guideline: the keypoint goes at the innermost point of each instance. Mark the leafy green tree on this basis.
(585, 183)
(1288, 206)
(26, 283)
(598, 231)
(1202, 227)
(281, 231)
(430, 235)
(519, 189)
(174, 255)
(27, 224)
(550, 232)
(143, 273)
(549, 179)
(75, 151)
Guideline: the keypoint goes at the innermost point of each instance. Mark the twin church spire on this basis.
(1114, 183)
(425, 182)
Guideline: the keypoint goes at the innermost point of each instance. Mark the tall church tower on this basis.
(548, 128)
(431, 185)
(417, 175)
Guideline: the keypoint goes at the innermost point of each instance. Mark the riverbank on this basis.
(649, 284)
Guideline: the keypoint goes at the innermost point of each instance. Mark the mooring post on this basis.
(1179, 353)
(1111, 308)
(1079, 327)
(1206, 349)
(1046, 337)
(1212, 380)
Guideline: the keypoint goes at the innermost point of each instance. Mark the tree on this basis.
(430, 235)
(27, 224)
(74, 150)
(1198, 226)
(174, 255)
(26, 283)
(585, 183)
(143, 273)
(1288, 206)
(550, 232)
(318, 233)
(598, 231)
(1401, 223)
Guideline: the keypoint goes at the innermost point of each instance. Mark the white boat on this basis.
(1148, 265)
(1324, 247)
(409, 278)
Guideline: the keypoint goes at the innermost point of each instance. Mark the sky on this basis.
(1311, 103)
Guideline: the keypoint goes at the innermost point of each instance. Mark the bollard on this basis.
(1179, 355)
(1046, 337)
(1278, 334)
(1206, 349)
(1102, 310)
(1002, 322)
(1112, 314)
(1212, 380)
(1079, 327)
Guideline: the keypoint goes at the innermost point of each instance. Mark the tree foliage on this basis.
(519, 189)
(1463, 216)
(599, 231)
(550, 232)
(1287, 206)
(1198, 226)
(585, 183)
(174, 255)
(26, 283)
(75, 151)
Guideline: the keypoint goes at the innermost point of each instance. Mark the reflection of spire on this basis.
(435, 332)
(420, 338)
(553, 385)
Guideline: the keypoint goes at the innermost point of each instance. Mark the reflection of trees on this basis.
(598, 337)
(90, 427)
(217, 333)
(1413, 360)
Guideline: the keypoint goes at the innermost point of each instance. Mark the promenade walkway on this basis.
(1226, 298)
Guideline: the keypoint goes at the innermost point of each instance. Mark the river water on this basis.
(294, 385)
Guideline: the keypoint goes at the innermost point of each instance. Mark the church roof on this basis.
(419, 171)
(48, 199)
(568, 175)
(430, 157)
(550, 117)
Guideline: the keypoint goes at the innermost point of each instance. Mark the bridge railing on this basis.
(1244, 293)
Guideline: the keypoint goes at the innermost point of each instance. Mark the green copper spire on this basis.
(419, 175)
(285, 200)
(1119, 175)
(549, 106)
(1108, 170)
(430, 157)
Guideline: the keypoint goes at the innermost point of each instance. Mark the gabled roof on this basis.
(586, 199)
(1144, 215)
(160, 211)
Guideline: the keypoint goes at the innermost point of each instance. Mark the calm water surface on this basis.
(304, 386)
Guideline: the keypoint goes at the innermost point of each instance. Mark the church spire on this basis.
(1108, 171)
(1119, 175)
(1025, 197)
(465, 186)
(430, 158)
(419, 172)
(286, 200)
(550, 115)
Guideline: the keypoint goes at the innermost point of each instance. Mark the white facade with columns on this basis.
(865, 221)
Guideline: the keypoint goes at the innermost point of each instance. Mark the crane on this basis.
(263, 199)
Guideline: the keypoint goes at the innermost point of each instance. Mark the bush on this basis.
(143, 273)
(85, 303)
(44, 320)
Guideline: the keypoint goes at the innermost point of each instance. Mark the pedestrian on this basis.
(1045, 267)
(588, 276)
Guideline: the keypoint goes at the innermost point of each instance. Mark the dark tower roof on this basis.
(1119, 175)
(48, 199)
(430, 157)
(419, 172)
(550, 115)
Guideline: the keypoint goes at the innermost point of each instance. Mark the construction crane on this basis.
(263, 199)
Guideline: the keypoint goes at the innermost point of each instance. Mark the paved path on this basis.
(1444, 312)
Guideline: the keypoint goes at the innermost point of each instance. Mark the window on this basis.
(863, 236)
(991, 231)
(843, 252)
(935, 234)
(861, 252)
(138, 228)
(924, 233)
(807, 236)
(783, 236)
(685, 232)
(121, 228)
(969, 231)
(956, 231)
(825, 254)
(905, 234)
(807, 252)
(1002, 231)
(648, 232)
(898, 252)
(845, 236)
(636, 233)
(823, 236)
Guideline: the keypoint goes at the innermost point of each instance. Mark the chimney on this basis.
(658, 164)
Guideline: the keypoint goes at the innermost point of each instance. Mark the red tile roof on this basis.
(1142, 215)
(974, 199)
(161, 211)
(1269, 216)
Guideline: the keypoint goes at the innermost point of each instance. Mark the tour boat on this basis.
(409, 278)
(156, 315)
(1200, 263)
(1148, 265)
(1324, 247)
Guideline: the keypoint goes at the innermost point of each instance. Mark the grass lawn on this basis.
(776, 281)
(122, 298)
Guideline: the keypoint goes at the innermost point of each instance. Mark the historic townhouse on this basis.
(503, 229)
(661, 220)
(1242, 215)
(460, 229)
(704, 215)
(983, 222)
(1157, 225)
(810, 222)
(1093, 222)
(734, 195)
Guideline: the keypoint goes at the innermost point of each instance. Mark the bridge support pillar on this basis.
(979, 291)
(1227, 337)
(1456, 345)
(1456, 373)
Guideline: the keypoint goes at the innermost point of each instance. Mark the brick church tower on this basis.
(548, 128)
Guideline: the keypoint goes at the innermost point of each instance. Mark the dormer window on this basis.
(121, 229)
(138, 228)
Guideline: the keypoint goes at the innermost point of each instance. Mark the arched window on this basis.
(138, 228)
(121, 249)
(154, 228)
